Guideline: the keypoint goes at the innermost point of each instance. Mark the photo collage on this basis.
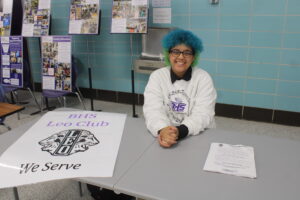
(128, 16)
(84, 17)
(57, 73)
(35, 19)
(12, 61)
(5, 24)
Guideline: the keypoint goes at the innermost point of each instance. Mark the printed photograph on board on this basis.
(129, 16)
(5, 17)
(56, 63)
(11, 61)
(84, 17)
(36, 18)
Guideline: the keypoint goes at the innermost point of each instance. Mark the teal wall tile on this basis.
(291, 40)
(208, 37)
(229, 83)
(202, 7)
(232, 53)
(259, 100)
(293, 7)
(292, 24)
(233, 38)
(204, 22)
(208, 65)
(209, 52)
(265, 39)
(264, 55)
(289, 88)
(269, 7)
(287, 103)
(291, 57)
(180, 21)
(291, 73)
(233, 7)
(240, 23)
(184, 8)
(232, 68)
(269, 71)
(261, 85)
(267, 23)
(229, 97)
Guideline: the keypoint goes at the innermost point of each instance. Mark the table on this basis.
(135, 141)
(144, 169)
(177, 173)
(7, 109)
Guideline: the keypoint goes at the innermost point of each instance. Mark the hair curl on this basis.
(179, 36)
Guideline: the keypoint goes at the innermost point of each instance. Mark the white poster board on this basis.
(11, 73)
(36, 18)
(129, 16)
(6, 17)
(84, 17)
(56, 63)
(63, 145)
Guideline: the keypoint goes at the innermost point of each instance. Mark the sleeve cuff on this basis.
(182, 131)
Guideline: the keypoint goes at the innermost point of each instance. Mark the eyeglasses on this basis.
(186, 53)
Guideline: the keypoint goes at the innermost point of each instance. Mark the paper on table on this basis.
(235, 160)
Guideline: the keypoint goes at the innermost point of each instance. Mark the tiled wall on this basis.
(252, 49)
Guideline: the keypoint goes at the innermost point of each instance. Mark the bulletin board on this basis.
(5, 17)
(36, 18)
(129, 16)
(84, 17)
(12, 61)
(56, 63)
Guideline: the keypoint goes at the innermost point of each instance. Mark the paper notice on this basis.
(5, 60)
(235, 160)
(27, 30)
(161, 3)
(64, 52)
(5, 72)
(162, 15)
(48, 82)
(4, 40)
(75, 26)
(138, 2)
(118, 26)
(44, 4)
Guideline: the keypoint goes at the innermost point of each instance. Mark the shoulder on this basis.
(200, 73)
(161, 73)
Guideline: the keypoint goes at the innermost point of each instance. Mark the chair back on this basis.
(74, 73)
(2, 94)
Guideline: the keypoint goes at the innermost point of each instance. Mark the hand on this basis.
(168, 136)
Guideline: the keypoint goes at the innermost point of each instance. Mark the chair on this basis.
(27, 85)
(62, 94)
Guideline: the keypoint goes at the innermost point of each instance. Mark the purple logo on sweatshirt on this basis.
(177, 105)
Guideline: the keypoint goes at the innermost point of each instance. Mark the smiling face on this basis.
(180, 63)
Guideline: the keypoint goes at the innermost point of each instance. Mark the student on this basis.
(179, 100)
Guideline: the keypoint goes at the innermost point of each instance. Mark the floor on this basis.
(69, 189)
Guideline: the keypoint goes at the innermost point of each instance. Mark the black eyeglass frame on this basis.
(185, 53)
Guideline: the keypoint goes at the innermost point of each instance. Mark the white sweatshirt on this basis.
(191, 103)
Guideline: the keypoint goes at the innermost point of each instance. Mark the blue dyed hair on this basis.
(179, 36)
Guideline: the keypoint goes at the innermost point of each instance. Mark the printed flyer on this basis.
(64, 144)
(5, 17)
(56, 63)
(129, 16)
(84, 17)
(36, 18)
(12, 61)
